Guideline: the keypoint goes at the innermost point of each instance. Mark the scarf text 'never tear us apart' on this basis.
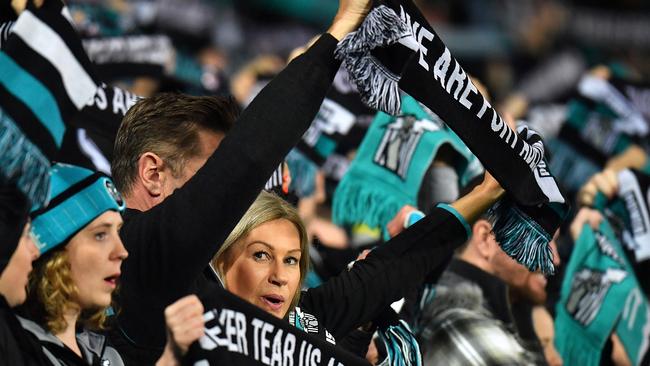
(259, 340)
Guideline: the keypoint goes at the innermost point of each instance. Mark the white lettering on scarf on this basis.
(453, 79)
(270, 345)
(421, 34)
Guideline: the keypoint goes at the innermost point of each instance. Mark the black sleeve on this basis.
(171, 243)
(357, 342)
(359, 295)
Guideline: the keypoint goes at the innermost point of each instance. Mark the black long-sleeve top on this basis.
(170, 245)
(361, 294)
(17, 346)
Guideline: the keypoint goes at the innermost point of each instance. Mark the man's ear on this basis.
(152, 173)
(481, 231)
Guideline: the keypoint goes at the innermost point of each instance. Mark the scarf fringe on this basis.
(378, 86)
(22, 163)
(521, 237)
(303, 174)
(356, 203)
(401, 346)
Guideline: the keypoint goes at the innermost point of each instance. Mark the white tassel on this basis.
(377, 85)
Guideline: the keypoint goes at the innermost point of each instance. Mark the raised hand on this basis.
(185, 325)
(350, 14)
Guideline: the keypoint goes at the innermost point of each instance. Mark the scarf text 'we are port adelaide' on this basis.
(395, 48)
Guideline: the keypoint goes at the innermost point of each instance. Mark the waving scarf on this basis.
(45, 80)
(379, 63)
(637, 92)
(600, 295)
(390, 165)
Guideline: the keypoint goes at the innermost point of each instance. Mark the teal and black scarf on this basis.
(45, 79)
(391, 163)
(600, 295)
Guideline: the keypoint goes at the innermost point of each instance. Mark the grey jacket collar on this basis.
(90, 343)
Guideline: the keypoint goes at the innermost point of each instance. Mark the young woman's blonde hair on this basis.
(51, 291)
(267, 207)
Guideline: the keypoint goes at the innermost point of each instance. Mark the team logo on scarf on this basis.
(607, 248)
(399, 142)
(588, 291)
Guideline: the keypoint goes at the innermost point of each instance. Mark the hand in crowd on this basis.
(545, 330)
(350, 14)
(585, 216)
(243, 82)
(633, 157)
(396, 225)
(605, 182)
(619, 356)
(185, 325)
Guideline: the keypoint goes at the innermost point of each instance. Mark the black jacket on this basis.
(17, 346)
(360, 295)
(170, 245)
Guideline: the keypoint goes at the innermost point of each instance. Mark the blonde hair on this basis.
(267, 207)
(51, 291)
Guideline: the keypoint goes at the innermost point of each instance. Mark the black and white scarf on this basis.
(377, 56)
(632, 206)
(629, 119)
(130, 56)
(239, 333)
(335, 119)
(45, 79)
(637, 92)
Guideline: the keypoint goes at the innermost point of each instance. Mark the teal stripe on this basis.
(325, 146)
(34, 95)
(646, 167)
(460, 218)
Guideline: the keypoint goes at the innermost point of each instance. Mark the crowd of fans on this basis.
(166, 154)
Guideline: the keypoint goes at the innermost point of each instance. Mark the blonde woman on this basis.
(264, 261)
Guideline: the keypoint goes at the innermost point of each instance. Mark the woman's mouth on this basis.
(112, 280)
(274, 302)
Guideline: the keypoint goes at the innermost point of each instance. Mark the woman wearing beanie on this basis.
(70, 289)
(71, 286)
(265, 259)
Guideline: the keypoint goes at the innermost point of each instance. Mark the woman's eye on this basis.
(261, 255)
(292, 260)
(100, 236)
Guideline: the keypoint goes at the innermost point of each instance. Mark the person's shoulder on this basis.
(457, 331)
(96, 343)
(455, 293)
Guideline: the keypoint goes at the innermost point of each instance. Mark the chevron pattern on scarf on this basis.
(45, 79)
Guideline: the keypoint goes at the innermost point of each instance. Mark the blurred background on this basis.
(221, 46)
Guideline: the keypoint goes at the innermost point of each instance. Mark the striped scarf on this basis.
(44, 81)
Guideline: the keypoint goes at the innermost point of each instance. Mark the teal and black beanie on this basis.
(77, 196)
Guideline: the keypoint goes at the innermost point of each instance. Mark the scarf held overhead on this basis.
(436, 79)
(45, 80)
(600, 295)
